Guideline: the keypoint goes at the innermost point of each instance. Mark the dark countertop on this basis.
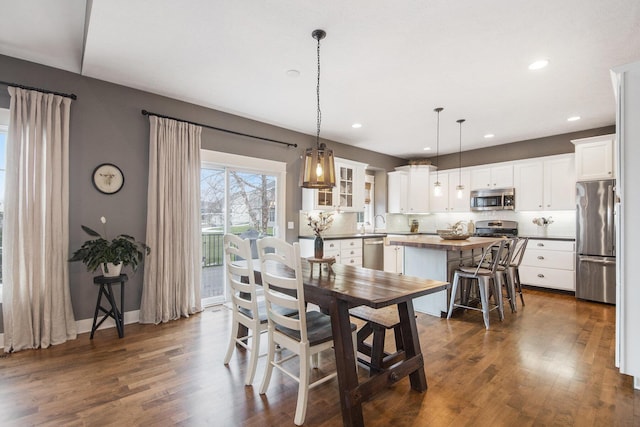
(346, 236)
(563, 238)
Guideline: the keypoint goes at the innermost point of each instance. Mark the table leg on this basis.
(122, 307)
(411, 343)
(345, 363)
(95, 314)
(116, 312)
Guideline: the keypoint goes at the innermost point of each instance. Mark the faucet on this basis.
(375, 222)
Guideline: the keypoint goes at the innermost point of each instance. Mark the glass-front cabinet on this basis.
(347, 195)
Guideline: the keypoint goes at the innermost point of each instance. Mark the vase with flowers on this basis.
(543, 223)
(110, 255)
(319, 222)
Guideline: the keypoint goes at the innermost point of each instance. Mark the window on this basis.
(239, 195)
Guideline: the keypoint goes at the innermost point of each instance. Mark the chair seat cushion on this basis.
(262, 311)
(318, 328)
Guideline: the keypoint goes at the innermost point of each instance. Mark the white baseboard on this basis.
(84, 325)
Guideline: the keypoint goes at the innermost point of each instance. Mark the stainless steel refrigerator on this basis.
(595, 241)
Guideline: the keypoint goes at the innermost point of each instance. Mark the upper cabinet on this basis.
(545, 183)
(408, 189)
(449, 200)
(347, 195)
(497, 176)
(595, 158)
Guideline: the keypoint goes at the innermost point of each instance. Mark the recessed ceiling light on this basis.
(489, 135)
(356, 125)
(293, 73)
(573, 118)
(536, 65)
(427, 148)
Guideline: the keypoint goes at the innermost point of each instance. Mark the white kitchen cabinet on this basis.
(545, 183)
(345, 251)
(397, 187)
(419, 190)
(549, 264)
(497, 176)
(439, 203)
(595, 158)
(347, 195)
(393, 258)
(449, 201)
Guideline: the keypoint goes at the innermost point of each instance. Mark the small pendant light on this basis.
(437, 186)
(460, 187)
(318, 166)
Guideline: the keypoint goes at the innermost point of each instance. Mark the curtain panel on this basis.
(37, 302)
(172, 272)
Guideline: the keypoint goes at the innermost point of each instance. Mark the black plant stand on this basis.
(106, 290)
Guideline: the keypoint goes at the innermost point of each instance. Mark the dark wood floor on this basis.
(551, 364)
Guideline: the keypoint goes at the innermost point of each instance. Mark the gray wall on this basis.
(107, 126)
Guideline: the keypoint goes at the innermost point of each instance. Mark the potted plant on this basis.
(110, 255)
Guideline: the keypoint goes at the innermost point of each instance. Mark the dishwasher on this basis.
(373, 253)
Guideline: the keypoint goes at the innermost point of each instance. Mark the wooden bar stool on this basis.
(378, 321)
(106, 290)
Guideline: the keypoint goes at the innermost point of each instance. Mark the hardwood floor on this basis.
(552, 363)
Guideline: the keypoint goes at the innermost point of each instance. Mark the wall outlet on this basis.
(290, 225)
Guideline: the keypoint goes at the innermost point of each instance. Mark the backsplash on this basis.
(564, 222)
(343, 223)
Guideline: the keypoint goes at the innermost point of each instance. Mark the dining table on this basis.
(340, 287)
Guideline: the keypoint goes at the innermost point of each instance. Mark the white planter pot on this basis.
(114, 269)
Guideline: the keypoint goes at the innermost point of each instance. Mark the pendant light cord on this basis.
(437, 110)
(319, 112)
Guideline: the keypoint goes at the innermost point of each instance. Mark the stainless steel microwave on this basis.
(493, 200)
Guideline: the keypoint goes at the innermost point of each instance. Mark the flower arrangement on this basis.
(123, 249)
(542, 221)
(320, 222)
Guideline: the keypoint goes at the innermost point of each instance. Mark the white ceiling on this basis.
(385, 64)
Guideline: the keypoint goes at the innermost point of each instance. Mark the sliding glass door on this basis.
(233, 200)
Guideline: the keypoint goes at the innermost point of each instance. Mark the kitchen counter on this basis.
(346, 236)
(435, 242)
(434, 258)
(561, 238)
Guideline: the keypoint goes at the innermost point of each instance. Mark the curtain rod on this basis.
(148, 113)
(66, 95)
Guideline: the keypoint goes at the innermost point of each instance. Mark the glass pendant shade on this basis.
(460, 191)
(437, 189)
(318, 169)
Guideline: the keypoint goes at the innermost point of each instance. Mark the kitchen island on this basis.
(431, 257)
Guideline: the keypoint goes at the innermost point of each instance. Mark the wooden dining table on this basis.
(342, 287)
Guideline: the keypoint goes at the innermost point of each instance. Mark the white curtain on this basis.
(37, 303)
(172, 273)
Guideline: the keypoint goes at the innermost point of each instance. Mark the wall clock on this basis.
(108, 178)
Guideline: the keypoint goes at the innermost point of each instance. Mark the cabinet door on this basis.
(559, 184)
(480, 178)
(345, 186)
(502, 176)
(528, 180)
(397, 188)
(459, 204)
(439, 203)
(594, 158)
(418, 194)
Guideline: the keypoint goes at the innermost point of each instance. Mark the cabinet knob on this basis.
(541, 276)
(540, 257)
(540, 244)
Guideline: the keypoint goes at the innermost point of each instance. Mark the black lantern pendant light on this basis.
(460, 187)
(437, 186)
(318, 167)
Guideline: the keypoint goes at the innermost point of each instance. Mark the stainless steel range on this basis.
(496, 227)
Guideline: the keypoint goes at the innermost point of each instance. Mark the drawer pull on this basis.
(540, 257)
(540, 244)
(541, 276)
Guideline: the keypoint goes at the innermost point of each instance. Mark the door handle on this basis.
(541, 276)
(540, 257)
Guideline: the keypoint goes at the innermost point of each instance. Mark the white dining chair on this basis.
(248, 307)
(305, 335)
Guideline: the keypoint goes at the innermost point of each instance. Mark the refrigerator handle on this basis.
(610, 206)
